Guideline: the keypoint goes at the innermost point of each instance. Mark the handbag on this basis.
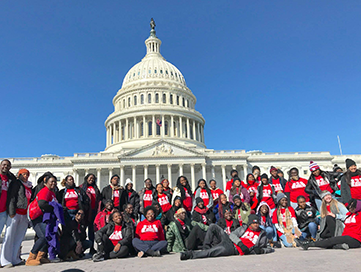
(34, 210)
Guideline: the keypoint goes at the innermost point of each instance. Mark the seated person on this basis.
(102, 218)
(222, 206)
(177, 203)
(149, 233)
(114, 239)
(202, 214)
(128, 214)
(265, 216)
(306, 219)
(73, 241)
(241, 211)
(247, 239)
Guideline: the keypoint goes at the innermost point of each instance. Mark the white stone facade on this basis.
(154, 91)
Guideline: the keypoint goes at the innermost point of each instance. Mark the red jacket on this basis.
(101, 220)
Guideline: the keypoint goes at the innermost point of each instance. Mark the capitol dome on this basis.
(154, 102)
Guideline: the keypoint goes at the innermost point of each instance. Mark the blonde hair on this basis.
(333, 205)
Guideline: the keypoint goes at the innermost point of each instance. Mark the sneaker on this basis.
(98, 257)
(277, 244)
(341, 246)
(185, 255)
(55, 260)
(8, 266)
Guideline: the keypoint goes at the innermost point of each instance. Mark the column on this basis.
(115, 133)
(144, 127)
(204, 173)
(99, 177)
(145, 171)
(171, 127)
(76, 176)
(162, 128)
(126, 132)
(180, 169)
(134, 174)
(194, 130)
(122, 175)
(193, 180)
(224, 177)
(245, 171)
(87, 171)
(213, 172)
(157, 175)
(120, 131)
(153, 126)
(188, 131)
(170, 175)
(110, 173)
(180, 127)
(108, 136)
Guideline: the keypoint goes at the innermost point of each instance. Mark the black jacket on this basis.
(155, 196)
(223, 224)
(16, 197)
(75, 230)
(134, 200)
(282, 181)
(260, 193)
(345, 186)
(11, 179)
(107, 194)
(312, 187)
(108, 229)
(196, 216)
(83, 199)
(305, 216)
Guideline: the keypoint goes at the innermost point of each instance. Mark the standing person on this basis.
(38, 207)
(202, 214)
(166, 188)
(132, 198)
(203, 192)
(91, 189)
(184, 191)
(241, 211)
(306, 219)
(40, 184)
(6, 178)
(256, 171)
(251, 185)
(162, 197)
(333, 213)
(234, 173)
(264, 214)
(146, 197)
(216, 192)
(114, 192)
(114, 240)
(72, 198)
(295, 187)
(319, 181)
(150, 238)
(267, 193)
(18, 199)
(284, 219)
(277, 181)
(238, 189)
(351, 182)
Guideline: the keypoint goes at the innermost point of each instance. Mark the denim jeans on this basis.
(271, 232)
(311, 229)
(3, 219)
(41, 244)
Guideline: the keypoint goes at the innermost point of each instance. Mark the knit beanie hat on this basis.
(264, 176)
(279, 171)
(313, 166)
(273, 169)
(325, 193)
(22, 171)
(179, 211)
(255, 168)
(128, 180)
(253, 218)
(280, 195)
(236, 196)
(199, 200)
(349, 163)
(336, 167)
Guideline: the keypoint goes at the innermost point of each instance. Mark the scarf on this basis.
(289, 224)
(201, 211)
(27, 184)
(115, 188)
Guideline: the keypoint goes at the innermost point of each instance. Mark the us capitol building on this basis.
(155, 131)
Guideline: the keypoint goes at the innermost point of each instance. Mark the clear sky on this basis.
(276, 76)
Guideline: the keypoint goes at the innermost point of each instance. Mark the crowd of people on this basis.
(253, 216)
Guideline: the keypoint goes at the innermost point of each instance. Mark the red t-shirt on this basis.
(93, 197)
(229, 185)
(4, 192)
(28, 197)
(323, 184)
(164, 202)
(150, 231)
(353, 226)
(215, 194)
(283, 213)
(116, 198)
(249, 239)
(267, 196)
(71, 199)
(229, 225)
(277, 185)
(147, 198)
(328, 208)
(46, 194)
(187, 202)
(251, 187)
(204, 195)
(116, 236)
(355, 187)
(296, 188)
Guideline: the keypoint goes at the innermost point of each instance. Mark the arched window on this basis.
(191, 131)
(187, 103)
(171, 98)
(165, 128)
(185, 131)
(156, 98)
(178, 100)
(184, 102)
(135, 100)
(149, 98)
(122, 133)
(150, 125)
(142, 99)
(158, 130)
(128, 101)
(164, 98)
(141, 129)
(123, 103)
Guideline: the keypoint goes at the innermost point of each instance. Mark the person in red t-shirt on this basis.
(267, 193)
(162, 197)
(234, 173)
(114, 192)
(251, 185)
(19, 194)
(149, 233)
(146, 197)
(351, 235)
(203, 192)
(351, 182)
(296, 187)
(277, 181)
(184, 191)
(256, 171)
(247, 239)
(216, 192)
(166, 188)
(319, 181)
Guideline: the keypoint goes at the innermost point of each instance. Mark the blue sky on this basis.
(276, 76)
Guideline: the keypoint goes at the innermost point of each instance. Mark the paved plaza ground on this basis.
(293, 259)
